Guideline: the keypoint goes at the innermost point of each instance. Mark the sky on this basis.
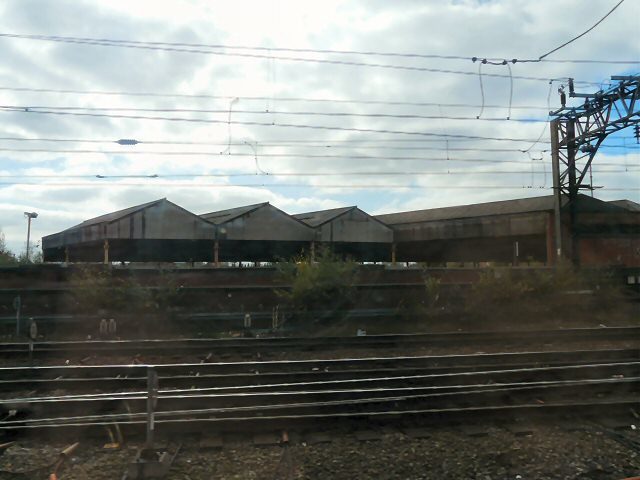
(253, 101)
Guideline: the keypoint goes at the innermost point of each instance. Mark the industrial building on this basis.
(516, 231)
(351, 232)
(256, 233)
(155, 231)
(509, 231)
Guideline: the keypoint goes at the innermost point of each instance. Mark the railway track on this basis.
(271, 344)
(276, 394)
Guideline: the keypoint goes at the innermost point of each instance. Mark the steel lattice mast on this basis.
(576, 135)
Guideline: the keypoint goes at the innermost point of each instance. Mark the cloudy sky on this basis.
(293, 103)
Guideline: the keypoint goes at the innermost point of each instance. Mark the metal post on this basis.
(17, 304)
(557, 194)
(573, 189)
(152, 393)
(216, 253)
(105, 247)
(313, 251)
(28, 235)
(393, 253)
(29, 216)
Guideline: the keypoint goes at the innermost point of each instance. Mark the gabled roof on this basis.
(110, 217)
(320, 217)
(223, 216)
(503, 207)
(627, 204)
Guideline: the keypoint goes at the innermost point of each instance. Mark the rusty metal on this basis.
(64, 455)
(576, 135)
(151, 463)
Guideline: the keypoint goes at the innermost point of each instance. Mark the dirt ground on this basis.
(548, 453)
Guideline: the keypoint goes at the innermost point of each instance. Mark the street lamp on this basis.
(29, 216)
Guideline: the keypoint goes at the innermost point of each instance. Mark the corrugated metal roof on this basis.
(503, 207)
(110, 217)
(315, 219)
(222, 216)
(627, 204)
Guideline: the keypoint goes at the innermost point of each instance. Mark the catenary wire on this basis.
(352, 186)
(20, 109)
(280, 112)
(325, 144)
(258, 98)
(300, 174)
(340, 52)
(122, 44)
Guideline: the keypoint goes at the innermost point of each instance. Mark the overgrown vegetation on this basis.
(7, 257)
(556, 295)
(99, 289)
(320, 289)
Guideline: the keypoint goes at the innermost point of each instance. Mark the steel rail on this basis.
(169, 393)
(382, 415)
(454, 388)
(457, 360)
(138, 346)
(507, 388)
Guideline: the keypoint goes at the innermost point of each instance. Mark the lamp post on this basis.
(29, 216)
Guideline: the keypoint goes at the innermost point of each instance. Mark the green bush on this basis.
(97, 289)
(321, 288)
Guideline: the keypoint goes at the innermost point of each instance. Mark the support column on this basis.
(216, 252)
(66, 254)
(557, 194)
(393, 253)
(551, 258)
(573, 192)
(105, 248)
(312, 251)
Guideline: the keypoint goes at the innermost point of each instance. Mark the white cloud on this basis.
(498, 28)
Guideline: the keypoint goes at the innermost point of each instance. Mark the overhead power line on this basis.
(26, 109)
(303, 174)
(351, 186)
(259, 98)
(583, 33)
(269, 50)
(388, 144)
(503, 61)
(282, 112)
(151, 46)
(295, 156)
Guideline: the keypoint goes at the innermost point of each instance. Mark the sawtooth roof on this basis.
(320, 217)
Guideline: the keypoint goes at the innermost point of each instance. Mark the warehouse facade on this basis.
(510, 231)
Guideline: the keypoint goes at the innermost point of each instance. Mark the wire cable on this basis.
(169, 48)
(583, 33)
(277, 112)
(13, 108)
(323, 51)
(258, 98)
